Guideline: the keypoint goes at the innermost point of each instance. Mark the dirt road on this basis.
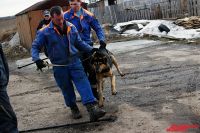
(161, 88)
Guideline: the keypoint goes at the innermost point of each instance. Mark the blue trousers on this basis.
(64, 77)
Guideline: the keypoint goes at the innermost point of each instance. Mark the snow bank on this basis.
(15, 41)
(151, 27)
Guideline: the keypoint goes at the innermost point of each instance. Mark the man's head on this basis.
(75, 5)
(57, 15)
(46, 15)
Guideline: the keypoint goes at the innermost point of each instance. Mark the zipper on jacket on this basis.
(4, 110)
(81, 23)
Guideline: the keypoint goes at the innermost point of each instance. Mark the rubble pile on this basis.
(189, 23)
(13, 49)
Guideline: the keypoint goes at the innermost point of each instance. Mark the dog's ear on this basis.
(92, 61)
(93, 57)
(98, 52)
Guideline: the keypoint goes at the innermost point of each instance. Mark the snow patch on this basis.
(152, 29)
(15, 41)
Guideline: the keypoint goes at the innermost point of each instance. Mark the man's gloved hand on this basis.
(40, 64)
(94, 50)
(102, 44)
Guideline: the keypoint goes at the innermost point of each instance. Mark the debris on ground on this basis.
(8, 28)
(15, 40)
(129, 27)
(189, 22)
(151, 28)
(163, 27)
(13, 49)
(15, 52)
(111, 34)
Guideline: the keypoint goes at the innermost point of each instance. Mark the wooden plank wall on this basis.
(113, 15)
(194, 7)
(34, 18)
(27, 26)
(24, 30)
(164, 10)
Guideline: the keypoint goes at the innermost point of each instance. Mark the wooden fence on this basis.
(164, 10)
(194, 7)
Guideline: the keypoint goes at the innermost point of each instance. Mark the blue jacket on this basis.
(61, 49)
(84, 23)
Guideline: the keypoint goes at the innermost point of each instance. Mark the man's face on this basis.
(58, 19)
(47, 17)
(75, 5)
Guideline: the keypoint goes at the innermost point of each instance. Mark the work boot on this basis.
(75, 112)
(94, 111)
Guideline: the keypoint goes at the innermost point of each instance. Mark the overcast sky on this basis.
(12, 7)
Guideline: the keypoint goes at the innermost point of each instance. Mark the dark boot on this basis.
(94, 111)
(75, 112)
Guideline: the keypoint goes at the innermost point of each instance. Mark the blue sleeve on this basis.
(81, 45)
(97, 28)
(37, 44)
(66, 16)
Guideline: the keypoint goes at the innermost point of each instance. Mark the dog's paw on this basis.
(104, 98)
(122, 74)
(100, 105)
(114, 93)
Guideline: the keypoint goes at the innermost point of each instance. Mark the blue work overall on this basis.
(84, 21)
(63, 50)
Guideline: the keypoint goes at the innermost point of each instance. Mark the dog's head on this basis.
(100, 63)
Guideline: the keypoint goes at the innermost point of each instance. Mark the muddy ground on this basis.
(161, 88)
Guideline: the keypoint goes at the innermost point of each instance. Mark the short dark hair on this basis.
(56, 10)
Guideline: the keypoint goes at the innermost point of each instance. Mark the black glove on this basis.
(40, 64)
(94, 50)
(102, 44)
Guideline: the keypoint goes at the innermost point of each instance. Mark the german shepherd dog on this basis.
(102, 62)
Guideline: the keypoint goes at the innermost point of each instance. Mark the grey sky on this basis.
(12, 7)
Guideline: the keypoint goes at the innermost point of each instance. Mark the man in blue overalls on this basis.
(63, 44)
(8, 120)
(45, 21)
(84, 20)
